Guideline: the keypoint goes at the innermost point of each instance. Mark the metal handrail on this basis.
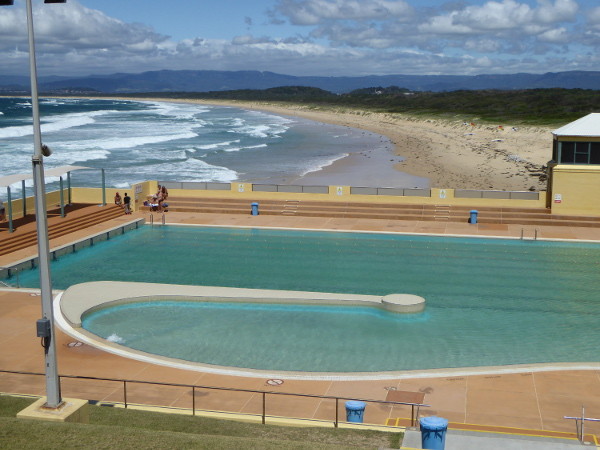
(251, 391)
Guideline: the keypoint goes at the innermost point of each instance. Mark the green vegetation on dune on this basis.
(129, 429)
(531, 106)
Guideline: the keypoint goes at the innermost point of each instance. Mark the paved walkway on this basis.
(465, 440)
(517, 401)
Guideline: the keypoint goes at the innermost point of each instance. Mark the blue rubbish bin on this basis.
(473, 216)
(254, 210)
(355, 411)
(433, 432)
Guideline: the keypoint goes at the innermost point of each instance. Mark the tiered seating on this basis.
(26, 234)
(447, 213)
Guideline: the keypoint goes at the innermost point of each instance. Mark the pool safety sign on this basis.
(557, 198)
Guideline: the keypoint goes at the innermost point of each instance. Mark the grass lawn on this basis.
(115, 428)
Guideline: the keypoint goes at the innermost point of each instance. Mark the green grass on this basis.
(111, 428)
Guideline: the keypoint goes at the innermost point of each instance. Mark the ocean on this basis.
(136, 141)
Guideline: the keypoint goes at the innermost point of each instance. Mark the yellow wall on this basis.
(576, 190)
(139, 192)
(52, 202)
(342, 194)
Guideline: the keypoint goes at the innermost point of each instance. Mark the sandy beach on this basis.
(434, 153)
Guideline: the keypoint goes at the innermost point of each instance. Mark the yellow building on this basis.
(574, 181)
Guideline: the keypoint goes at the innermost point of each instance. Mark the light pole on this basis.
(45, 326)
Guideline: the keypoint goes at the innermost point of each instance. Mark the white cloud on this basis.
(594, 18)
(330, 37)
(557, 35)
(496, 16)
(312, 12)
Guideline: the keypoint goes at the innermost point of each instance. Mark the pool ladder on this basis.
(535, 235)
(163, 219)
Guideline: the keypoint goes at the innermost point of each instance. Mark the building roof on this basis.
(56, 172)
(587, 126)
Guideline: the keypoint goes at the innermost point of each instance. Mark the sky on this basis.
(304, 37)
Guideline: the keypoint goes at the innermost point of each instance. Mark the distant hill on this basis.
(212, 80)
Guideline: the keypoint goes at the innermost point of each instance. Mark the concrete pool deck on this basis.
(526, 400)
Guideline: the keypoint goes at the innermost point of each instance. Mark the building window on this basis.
(579, 153)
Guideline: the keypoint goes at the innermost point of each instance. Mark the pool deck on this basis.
(524, 402)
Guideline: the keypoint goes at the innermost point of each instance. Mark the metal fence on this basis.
(264, 394)
(504, 195)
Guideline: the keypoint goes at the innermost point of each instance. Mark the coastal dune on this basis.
(461, 154)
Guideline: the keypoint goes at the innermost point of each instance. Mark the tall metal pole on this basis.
(62, 198)
(24, 196)
(69, 187)
(11, 227)
(103, 188)
(52, 382)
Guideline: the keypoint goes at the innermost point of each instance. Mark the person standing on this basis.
(127, 203)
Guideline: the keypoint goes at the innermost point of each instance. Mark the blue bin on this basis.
(433, 432)
(254, 210)
(473, 216)
(355, 411)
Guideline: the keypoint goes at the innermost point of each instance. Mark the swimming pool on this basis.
(489, 301)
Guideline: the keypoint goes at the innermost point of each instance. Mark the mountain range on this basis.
(212, 80)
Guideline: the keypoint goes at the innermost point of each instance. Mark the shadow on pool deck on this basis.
(536, 401)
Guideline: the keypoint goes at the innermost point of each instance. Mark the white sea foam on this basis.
(320, 164)
(191, 169)
(54, 124)
(130, 142)
(257, 131)
(1, 113)
(237, 149)
(217, 145)
(176, 110)
(79, 156)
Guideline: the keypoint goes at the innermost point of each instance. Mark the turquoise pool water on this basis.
(489, 302)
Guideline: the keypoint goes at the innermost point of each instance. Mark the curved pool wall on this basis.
(86, 298)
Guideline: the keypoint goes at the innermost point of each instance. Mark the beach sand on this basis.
(449, 154)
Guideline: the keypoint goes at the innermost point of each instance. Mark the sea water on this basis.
(145, 140)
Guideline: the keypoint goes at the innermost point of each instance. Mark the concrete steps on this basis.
(437, 213)
(26, 235)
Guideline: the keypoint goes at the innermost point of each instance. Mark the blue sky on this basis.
(305, 37)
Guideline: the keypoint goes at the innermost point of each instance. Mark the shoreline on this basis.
(451, 154)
